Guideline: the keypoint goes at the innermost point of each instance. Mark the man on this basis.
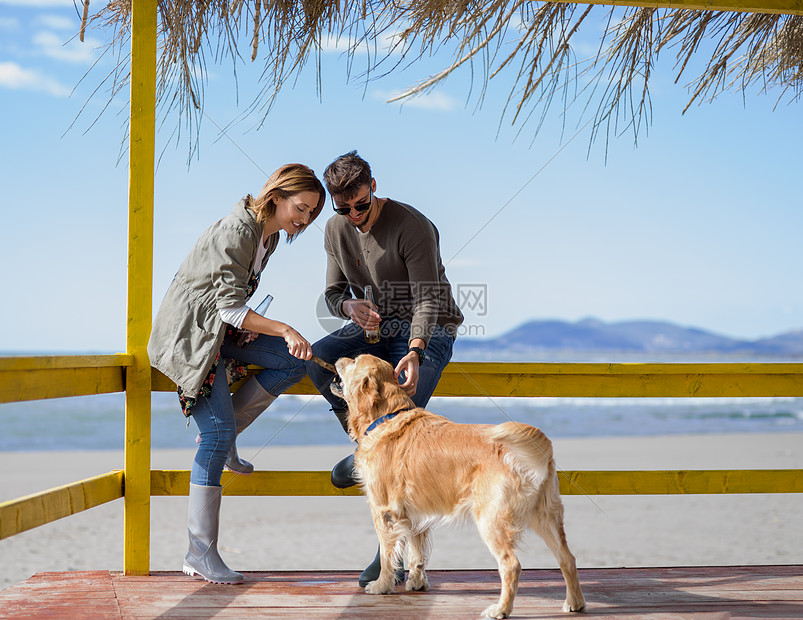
(393, 248)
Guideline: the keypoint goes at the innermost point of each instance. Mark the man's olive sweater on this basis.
(400, 257)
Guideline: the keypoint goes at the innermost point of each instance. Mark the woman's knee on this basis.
(297, 372)
(279, 380)
(220, 438)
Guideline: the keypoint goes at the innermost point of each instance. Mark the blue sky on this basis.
(700, 224)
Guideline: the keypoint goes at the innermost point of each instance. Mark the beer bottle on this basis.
(371, 335)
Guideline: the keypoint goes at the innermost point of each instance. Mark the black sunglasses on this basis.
(360, 208)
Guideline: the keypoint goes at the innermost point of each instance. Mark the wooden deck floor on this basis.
(698, 592)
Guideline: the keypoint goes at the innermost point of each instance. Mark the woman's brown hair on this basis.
(288, 180)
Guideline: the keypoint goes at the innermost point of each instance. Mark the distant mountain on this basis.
(642, 339)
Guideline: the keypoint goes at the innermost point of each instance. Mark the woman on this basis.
(204, 336)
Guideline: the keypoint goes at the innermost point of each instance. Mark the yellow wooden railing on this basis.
(31, 378)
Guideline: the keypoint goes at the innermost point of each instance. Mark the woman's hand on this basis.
(409, 365)
(297, 345)
(362, 312)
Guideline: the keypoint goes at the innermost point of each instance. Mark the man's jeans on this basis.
(349, 341)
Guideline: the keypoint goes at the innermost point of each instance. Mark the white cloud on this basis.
(339, 45)
(436, 100)
(54, 46)
(16, 77)
(59, 22)
(9, 23)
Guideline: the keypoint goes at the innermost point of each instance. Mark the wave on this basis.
(96, 422)
(571, 401)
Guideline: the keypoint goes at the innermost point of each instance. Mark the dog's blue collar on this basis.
(385, 418)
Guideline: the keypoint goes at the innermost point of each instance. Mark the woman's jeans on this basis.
(349, 341)
(215, 415)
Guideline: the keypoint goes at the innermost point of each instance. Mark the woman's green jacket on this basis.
(188, 331)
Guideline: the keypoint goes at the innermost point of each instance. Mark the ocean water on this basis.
(96, 422)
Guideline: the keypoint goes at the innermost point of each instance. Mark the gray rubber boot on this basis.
(249, 401)
(203, 523)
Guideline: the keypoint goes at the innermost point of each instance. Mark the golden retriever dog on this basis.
(418, 469)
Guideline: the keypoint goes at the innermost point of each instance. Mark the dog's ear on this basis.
(369, 386)
(367, 394)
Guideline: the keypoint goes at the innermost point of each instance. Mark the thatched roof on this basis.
(532, 41)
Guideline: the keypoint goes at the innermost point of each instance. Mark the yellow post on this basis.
(136, 555)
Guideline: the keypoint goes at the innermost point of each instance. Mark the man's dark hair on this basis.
(347, 174)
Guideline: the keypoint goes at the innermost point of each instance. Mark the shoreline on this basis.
(303, 533)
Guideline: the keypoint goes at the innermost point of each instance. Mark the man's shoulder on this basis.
(337, 232)
(406, 217)
(337, 225)
(402, 209)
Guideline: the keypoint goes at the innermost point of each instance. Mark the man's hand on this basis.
(409, 365)
(362, 312)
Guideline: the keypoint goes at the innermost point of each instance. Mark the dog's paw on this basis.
(378, 587)
(417, 582)
(495, 611)
(569, 606)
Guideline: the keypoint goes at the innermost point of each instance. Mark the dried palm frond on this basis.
(735, 50)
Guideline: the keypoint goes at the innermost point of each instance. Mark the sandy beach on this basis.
(276, 533)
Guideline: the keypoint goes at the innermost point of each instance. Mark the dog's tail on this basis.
(528, 448)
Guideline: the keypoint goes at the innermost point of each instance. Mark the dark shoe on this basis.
(343, 473)
(371, 572)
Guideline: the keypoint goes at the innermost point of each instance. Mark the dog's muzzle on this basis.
(336, 386)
